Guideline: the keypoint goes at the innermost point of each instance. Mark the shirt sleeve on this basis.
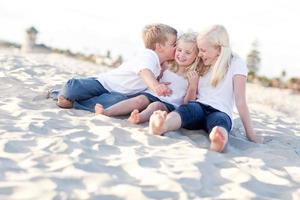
(238, 66)
(147, 60)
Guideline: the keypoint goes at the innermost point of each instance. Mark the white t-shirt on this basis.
(178, 86)
(222, 96)
(125, 79)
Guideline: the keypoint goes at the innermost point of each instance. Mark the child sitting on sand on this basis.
(183, 79)
(223, 83)
(131, 77)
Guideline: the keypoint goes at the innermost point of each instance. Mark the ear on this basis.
(219, 48)
(158, 47)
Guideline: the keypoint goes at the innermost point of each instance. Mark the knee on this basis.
(69, 89)
(157, 105)
(193, 110)
(71, 82)
(141, 100)
(220, 121)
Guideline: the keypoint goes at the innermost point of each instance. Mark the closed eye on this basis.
(202, 50)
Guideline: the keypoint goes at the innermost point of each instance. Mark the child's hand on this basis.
(193, 78)
(162, 89)
(255, 138)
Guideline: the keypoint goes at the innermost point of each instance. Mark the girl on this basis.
(223, 81)
(183, 80)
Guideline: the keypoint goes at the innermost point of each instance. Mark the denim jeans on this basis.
(195, 115)
(78, 89)
(86, 93)
(106, 100)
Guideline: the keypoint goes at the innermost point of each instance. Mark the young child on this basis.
(222, 83)
(130, 78)
(183, 80)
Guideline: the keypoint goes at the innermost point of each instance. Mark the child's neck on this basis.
(181, 70)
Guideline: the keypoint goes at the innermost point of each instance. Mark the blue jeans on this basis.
(195, 115)
(85, 93)
(78, 89)
(106, 100)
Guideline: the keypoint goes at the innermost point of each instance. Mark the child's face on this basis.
(207, 52)
(186, 53)
(169, 47)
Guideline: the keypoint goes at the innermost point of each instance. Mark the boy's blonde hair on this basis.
(218, 37)
(157, 33)
(190, 37)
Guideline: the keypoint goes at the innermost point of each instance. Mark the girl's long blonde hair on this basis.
(218, 37)
(190, 37)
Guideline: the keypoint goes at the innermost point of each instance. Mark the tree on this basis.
(283, 74)
(253, 58)
(108, 54)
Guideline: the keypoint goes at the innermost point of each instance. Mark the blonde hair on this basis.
(157, 33)
(218, 37)
(190, 37)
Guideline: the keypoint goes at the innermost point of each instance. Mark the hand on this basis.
(193, 78)
(162, 89)
(255, 138)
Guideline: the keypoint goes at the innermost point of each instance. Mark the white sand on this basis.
(50, 153)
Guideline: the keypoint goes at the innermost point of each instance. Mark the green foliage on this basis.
(264, 81)
(32, 30)
(251, 76)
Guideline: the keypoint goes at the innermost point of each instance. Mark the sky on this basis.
(94, 26)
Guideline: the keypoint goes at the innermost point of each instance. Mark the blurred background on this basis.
(265, 31)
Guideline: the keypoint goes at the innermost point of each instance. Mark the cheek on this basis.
(216, 52)
(173, 51)
(212, 55)
(192, 58)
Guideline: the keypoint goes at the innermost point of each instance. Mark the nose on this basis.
(200, 54)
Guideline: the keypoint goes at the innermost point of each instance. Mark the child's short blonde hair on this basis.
(157, 33)
(218, 37)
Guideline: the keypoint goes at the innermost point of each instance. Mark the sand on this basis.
(52, 153)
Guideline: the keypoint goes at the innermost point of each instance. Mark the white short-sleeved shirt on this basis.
(222, 96)
(125, 79)
(178, 86)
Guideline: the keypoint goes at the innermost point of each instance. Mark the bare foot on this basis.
(99, 110)
(156, 122)
(134, 117)
(64, 103)
(218, 139)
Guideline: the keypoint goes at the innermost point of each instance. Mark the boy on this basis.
(130, 78)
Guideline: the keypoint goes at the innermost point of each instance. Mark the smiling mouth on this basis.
(181, 60)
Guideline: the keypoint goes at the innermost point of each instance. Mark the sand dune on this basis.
(50, 153)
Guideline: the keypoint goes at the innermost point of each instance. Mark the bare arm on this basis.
(239, 86)
(191, 93)
(160, 89)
